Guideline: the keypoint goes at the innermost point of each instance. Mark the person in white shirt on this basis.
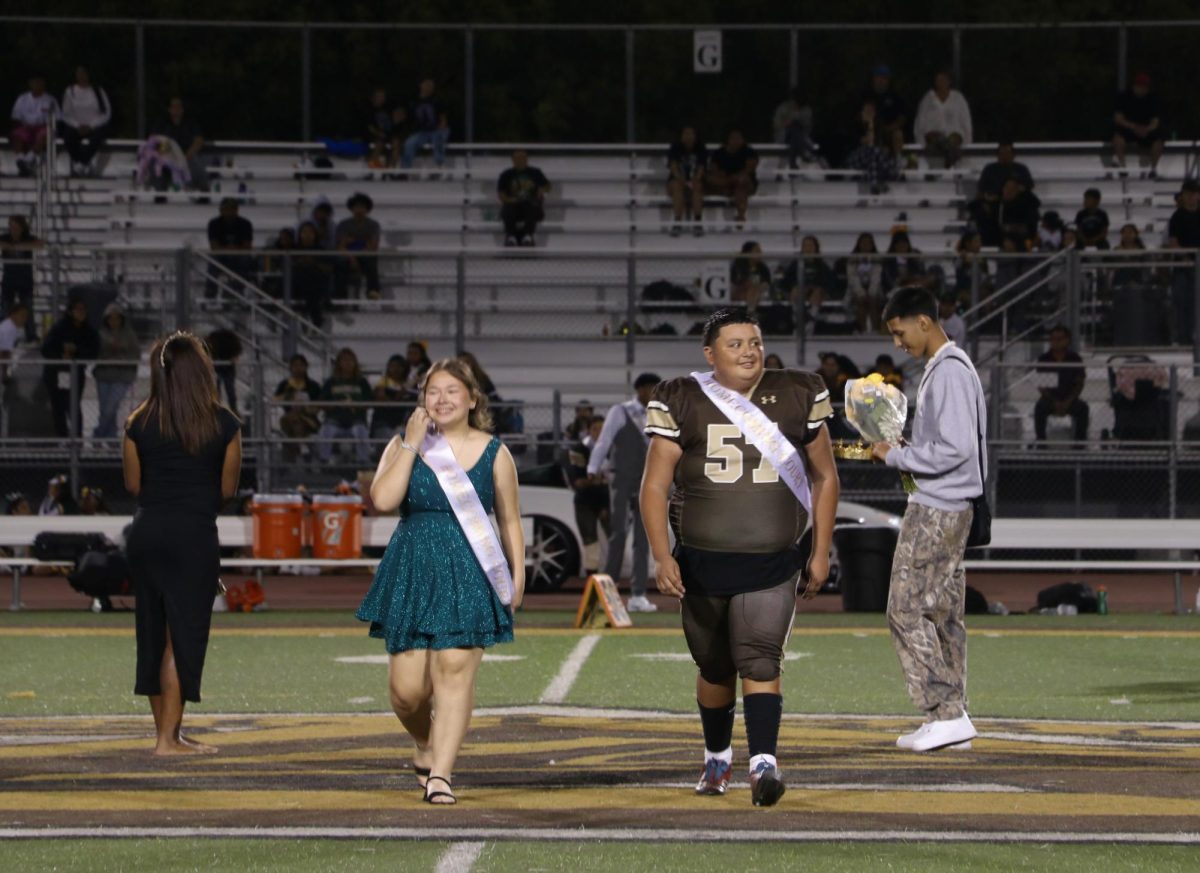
(943, 121)
(623, 434)
(12, 331)
(31, 117)
(86, 113)
(952, 323)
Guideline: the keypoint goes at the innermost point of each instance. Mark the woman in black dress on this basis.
(182, 458)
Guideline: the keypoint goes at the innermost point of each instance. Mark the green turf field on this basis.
(355, 856)
(1120, 668)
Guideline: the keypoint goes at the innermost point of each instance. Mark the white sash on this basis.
(468, 509)
(762, 433)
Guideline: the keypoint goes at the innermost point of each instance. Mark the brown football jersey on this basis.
(728, 497)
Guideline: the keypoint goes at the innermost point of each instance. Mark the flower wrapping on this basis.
(878, 412)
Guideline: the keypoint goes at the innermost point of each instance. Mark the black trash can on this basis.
(865, 555)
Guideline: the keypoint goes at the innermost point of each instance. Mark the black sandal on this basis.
(421, 773)
(431, 795)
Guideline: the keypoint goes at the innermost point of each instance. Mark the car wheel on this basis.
(551, 556)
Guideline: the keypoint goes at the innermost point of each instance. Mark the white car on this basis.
(554, 548)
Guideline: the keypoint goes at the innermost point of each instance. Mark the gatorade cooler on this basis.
(278, 525)
(337, 526)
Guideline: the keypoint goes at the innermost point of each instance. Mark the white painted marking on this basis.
(992, 635)
(358, 700)
(862, 636)
(1076, 740)
(383, 659)
(459, 858)
(1120, 701)
(560, 685)
(684, 656)
(54, 739)
(625, 835)
(949, 788)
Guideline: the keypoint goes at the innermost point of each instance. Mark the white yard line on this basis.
(459, 858)
(624, 835)
(560, 685)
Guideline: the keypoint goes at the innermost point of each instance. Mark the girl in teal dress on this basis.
(431, 601)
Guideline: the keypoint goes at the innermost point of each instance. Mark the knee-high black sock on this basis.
(718, 727)
(763, 713)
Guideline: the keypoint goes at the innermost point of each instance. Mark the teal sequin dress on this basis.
(429, 590)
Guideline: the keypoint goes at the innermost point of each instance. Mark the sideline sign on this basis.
(601, 591)
(706, 51)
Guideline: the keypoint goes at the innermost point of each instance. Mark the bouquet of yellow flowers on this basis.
(878, 411)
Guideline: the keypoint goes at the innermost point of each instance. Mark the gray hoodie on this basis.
(118, 345)
(944, 455)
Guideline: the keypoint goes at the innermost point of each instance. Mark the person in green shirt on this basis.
(345, 386)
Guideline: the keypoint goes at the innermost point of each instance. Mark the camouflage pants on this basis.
(925, 608)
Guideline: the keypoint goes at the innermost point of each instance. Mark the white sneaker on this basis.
(943, 734)
(640, 604)
(906, 741)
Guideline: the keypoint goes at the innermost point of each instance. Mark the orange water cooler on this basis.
(337, 526)
(278, 525)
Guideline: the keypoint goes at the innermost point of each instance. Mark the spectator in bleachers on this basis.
(967, 253)
(16, 503)
(417, 354)
(1005, 167)
(311, 274)
(346, 385)
(732, 172)
(272, 278)
(836, 370)
(383, 131)
(891, 113)
(1063, 397)
(885, 366)
(228, 234)
(392, 388)
(820, 281)
(115, 375)
(1016, 214)
(225, 349)
(749, 277)
(359, 233)
(189, 138)
(864, 283)
(1050, 232)
(522, 190)
(943, 122)
(873, 155)
(1137, 119)
(431, 125)
(1091, 222)
(1183, 231)
(16, 253)
(91, 501)
(1070, 239)
(71, 338)
(12, 331)
(321, 217)
(952, 323)
(592, 496)
(298, 420)
(1008, 270)
(582, 422)
(903, 267)
(505, 416)
(793, 126)
(686, 161)
(86, 113)
(1131, 240)
(773, 362)
(58, 500)
(31, 114)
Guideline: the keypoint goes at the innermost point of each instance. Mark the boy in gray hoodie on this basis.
(928, 585)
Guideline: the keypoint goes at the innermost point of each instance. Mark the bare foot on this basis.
(202, 748)
(422, 760)
(175, 750)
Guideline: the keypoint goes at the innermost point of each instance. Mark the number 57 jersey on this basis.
(728, 497)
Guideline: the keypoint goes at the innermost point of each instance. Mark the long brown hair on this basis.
(479, 417)
(183, 392)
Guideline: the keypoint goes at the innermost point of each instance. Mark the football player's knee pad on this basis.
(760, 666)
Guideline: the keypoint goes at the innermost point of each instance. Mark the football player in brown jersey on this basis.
(737, 521)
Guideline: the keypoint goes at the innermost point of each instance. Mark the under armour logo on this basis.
(770, 398)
